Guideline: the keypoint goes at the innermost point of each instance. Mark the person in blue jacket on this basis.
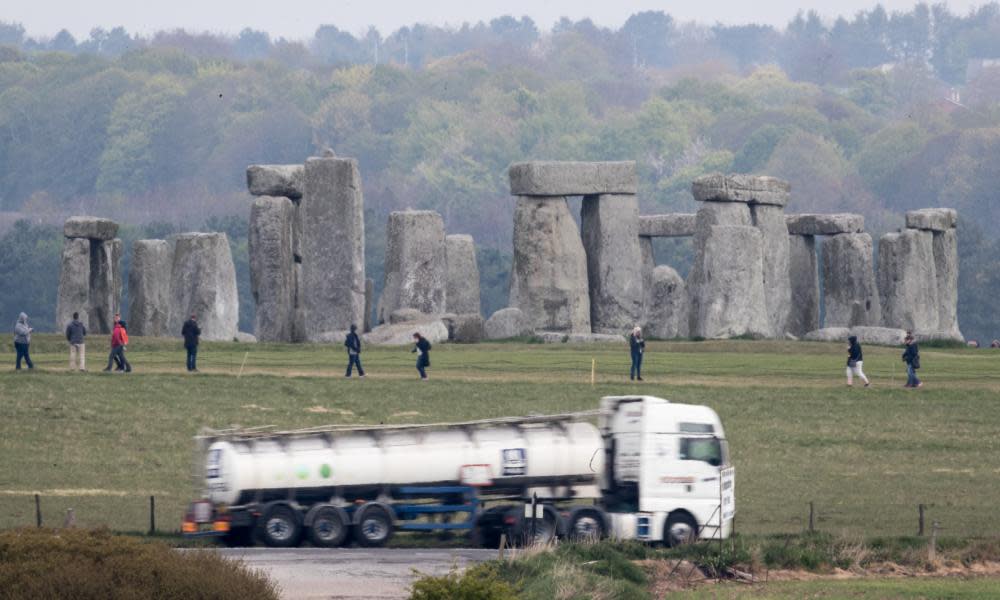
(911, 356)
(353, 345)
(423, 350)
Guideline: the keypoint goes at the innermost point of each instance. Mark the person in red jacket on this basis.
(119, 342)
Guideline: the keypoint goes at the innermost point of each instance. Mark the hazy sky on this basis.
(298, 19)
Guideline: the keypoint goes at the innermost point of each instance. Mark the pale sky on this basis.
(298, 19)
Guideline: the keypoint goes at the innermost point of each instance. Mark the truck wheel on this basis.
(329, 527)
(281, 527)
(545, 529)
(374, 526)
(680, 529)
(587, 525)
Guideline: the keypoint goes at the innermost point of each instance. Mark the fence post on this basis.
(70, 518)
(38, 511)
(920, 531)
(152, 515)
(812, 517)
(932, 547)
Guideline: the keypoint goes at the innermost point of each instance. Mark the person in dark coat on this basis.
(423, 349)
(76, 333)
(911, 356)
(353, 345)
(190, 332)
(637, 346)
(854, 360)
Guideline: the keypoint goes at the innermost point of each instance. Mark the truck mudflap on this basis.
(203, 519)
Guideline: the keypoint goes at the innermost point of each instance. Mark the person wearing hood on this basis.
(191, 334)
(119, 342)
(911, 356)
(353, 345)
(637, 346)
(22, 339)
(76, 332)
(854, 360)
(422, 347)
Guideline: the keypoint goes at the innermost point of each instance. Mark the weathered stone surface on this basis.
(560, 337)
(648, 262)
(203, 282)
(609, 229)
(770, 220)
(879, 336)
(731, 285)
(507, 323)
(245, 338)
(331, 213)
(407, 315)
(850, 294)
(711, 214)
(105, 284)
(416, 268)
(669, 225)
(757, 189)
(832, 224)
(463, 275)
(92, 228)
(946, 269)
(74, 283)
(933, 219)
(272, 268)
(549, 272)
(149, 287)
(369, 303)
(286, 181)
(666, 310)
(907, 282)
(466, 329)
(401, 334)
(828, 334)
(803, 271)
(555, 178)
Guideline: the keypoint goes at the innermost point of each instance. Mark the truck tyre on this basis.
(489, 527)
(545, 530)
(280, 527)
(329, 527)
(680, 529)
(587, 525)
(373, 526)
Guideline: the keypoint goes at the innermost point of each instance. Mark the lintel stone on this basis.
(933, 219)
(558, 178)
(276, 180)
(830, 224)
(756, 189)
(669, 225)
(93, 228)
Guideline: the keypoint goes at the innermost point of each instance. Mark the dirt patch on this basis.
(324, 410)
(255, 407)
(404, 414)
(668, 576)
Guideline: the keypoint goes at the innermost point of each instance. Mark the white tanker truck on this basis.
(651, 470)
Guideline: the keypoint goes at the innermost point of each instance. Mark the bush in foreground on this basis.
(85, 564)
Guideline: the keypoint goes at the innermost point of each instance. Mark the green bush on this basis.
(477, 583)
(81, 564)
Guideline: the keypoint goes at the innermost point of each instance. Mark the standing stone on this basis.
(332, 229)
(105, 284)
(648, 262)
(770, 220)
(666, 311)
(549, 272)
(711, 214)
(369, 306)
(731, 285)
(907, 281)
(203, 281)
(946, 269)
(272, 268)
(74, 283)
(803, 271)
(850, 294)
(463, 275)
(416, 269)
(610, 233)
(507, 323)
(149, 287)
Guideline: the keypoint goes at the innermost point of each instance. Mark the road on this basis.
(315, 573)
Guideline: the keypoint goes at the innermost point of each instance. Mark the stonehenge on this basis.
(272, 274)
(416, 268)
(90, 278)
(203, 282)
(803, 275)
(850, 294)
(609, 228)
(666, 305)
(463, 275)
(149, 287)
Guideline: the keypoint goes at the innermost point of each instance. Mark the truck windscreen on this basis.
(705, 449)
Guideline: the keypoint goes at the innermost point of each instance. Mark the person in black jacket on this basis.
(76, 333)
(190, 332)
(911, 356)
(353, 345)
(423, 349)
(637, 345)
(854, 360)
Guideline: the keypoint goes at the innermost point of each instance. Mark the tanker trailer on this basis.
(649, 470)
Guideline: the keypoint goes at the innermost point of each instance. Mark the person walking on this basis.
(911, 356)
(637, 345)
(22, 339)
(119, 341)
(191, 332)
(76, 332)
(854, 361)
(423, 349)
(353, 345)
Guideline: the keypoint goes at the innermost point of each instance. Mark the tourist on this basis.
(637, 345)
(353, 345)
(911, 356)
(76, 332)
(995, 344)
(190, 332)
(972, 344)
(119, 341)
(423, 349)
(854, 361)
(22, 339)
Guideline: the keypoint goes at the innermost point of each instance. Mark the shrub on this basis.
(84, 564)
(480, 582)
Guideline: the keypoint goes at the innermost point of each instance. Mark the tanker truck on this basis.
(650, 470)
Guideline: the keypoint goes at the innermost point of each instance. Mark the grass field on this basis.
(102, 443)
(952, 588)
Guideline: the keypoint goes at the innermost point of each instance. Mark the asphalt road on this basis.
(314, 573)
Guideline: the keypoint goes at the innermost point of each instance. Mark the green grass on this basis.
(951, 588)
(102, 444)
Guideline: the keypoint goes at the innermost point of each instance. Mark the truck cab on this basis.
(667, 472)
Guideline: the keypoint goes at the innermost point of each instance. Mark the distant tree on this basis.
(11, 34)
(30, 263)
(649, 34)
(252, 44)
(334, 46)
(63, 42)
